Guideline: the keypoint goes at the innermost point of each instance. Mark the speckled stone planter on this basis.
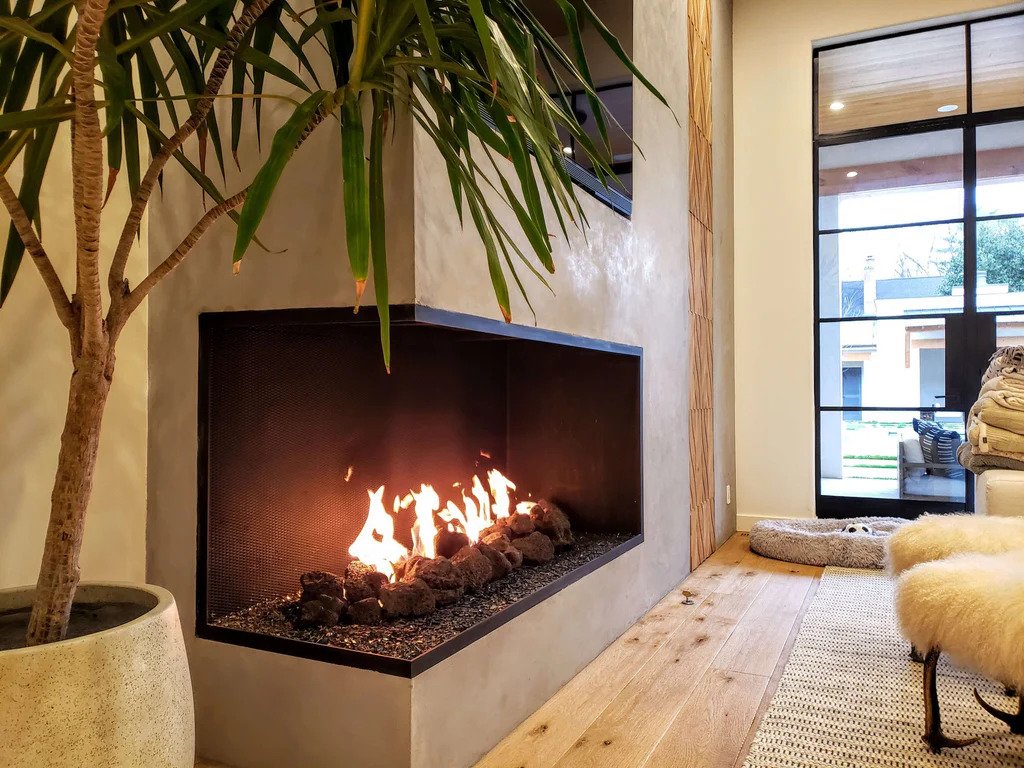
(121, 698)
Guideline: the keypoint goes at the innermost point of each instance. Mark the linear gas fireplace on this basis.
(386, 521)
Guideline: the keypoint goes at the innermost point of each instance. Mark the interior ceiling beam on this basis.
(943, 169)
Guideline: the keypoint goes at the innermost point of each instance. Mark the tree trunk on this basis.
(59, 573)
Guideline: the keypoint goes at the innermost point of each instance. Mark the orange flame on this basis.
(376, 545)
(381, 553)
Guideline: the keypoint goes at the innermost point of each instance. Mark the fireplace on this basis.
(318, 470)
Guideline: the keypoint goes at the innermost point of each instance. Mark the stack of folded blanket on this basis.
(995, 426)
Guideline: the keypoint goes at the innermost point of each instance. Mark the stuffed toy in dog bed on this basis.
(855, 543)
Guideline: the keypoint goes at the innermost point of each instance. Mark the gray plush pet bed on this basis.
(824, 542)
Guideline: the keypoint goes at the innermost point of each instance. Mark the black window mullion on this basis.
(968, 72)
(1000, 216)
(973, 330)
(881, 227)
(970, 220)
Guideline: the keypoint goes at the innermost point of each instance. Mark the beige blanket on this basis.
(995, 415)
(1012, 384)
(990, 439)
(980, 462)
(1008, 360)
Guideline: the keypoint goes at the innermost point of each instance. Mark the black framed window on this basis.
(614, 89)
(617, 100)
(918, 254)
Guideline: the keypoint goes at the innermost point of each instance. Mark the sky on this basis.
(912, 246)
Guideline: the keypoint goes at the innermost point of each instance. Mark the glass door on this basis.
(919, 257)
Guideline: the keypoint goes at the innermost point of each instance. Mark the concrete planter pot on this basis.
(117, 698)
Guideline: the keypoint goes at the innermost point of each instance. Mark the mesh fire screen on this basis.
(298, 419)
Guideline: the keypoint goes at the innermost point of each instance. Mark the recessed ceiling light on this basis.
(851, 175)
(835, 106)
(948, 108)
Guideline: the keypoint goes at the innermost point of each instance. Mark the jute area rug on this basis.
(850, 697)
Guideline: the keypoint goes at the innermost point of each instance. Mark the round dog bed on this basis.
(824, 542)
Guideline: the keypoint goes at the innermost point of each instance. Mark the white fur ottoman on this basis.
(971, 607)
(936, 537)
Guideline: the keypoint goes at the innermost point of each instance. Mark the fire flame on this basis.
(480, 508)
(381, 553)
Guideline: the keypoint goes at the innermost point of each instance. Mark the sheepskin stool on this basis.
(970, 607)
(936, 537)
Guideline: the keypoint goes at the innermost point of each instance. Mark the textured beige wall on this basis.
(251, 704)
(772, 44)
(625, 282)
(36, 369)
(724, 326)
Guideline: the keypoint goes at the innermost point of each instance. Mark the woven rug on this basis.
(850, 697)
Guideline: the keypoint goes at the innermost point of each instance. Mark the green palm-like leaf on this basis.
(262, 187)
(466, 71)
(357, 192)
(378, 242)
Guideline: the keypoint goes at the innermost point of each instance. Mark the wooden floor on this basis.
(686, 685)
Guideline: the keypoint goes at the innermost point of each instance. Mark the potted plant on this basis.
(133, 77)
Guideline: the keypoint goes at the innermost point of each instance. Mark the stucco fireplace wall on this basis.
(625, 282)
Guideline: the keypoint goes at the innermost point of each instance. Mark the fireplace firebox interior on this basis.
(300, 427)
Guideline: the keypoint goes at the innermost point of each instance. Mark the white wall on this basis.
(723, 277)
(772, 44)
(36, 370)
(625, 282)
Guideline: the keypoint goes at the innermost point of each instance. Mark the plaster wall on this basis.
(724, 273)
(772, 46)
(256, 709)
(33, 399)
(625, 281)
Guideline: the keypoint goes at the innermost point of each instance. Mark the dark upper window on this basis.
(615, 91)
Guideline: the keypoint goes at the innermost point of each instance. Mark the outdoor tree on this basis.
(1000, 255)
(133, 76)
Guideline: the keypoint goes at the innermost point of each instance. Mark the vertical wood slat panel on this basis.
(701, 289)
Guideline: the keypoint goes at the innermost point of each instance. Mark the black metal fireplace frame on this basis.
(405, 314)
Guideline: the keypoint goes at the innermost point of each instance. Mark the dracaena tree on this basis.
(138, 81)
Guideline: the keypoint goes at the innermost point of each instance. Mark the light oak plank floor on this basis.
(686, 685)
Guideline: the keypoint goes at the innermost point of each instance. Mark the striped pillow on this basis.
(939, 447)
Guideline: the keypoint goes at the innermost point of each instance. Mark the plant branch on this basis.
(199, 112)
(23, 226)
(87, 171)
(168, 265)
(121, 311)
(364, 23)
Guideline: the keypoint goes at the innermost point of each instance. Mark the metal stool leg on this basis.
(933, 735)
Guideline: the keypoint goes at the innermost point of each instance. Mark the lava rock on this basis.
(503, 544)
(443, 578)
(362, 582)
(536, 548)
(500, 528)
(500, 565)
(552, 522)
(366, 611)
(474, 566)
(407, 598)
(403, 566)
(520, 525)
(321, 611)
(447, 543)
(322, 603)
(316, 583)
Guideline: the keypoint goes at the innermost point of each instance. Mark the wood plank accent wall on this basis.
(702, 444)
